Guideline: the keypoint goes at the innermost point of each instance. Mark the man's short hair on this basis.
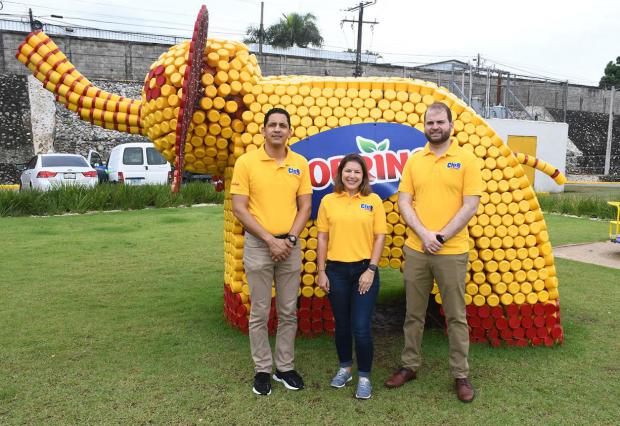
(440, 106)
(277, 111)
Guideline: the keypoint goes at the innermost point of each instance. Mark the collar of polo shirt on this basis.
(265, 157)
(450, 151)
(343, 193)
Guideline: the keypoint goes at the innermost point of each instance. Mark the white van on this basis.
(138, 163)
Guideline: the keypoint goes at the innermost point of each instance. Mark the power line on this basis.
(166, 12)
(534, 73)
(185, 29)
(360, 21)
(544, 74)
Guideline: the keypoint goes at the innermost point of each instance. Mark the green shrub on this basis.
(578, 204)
(75, 199)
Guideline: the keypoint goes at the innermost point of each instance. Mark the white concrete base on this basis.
(43, 116)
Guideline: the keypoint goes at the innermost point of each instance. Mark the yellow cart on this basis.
(615, 236)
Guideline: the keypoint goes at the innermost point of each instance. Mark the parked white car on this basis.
(138, 163)
(46, 171)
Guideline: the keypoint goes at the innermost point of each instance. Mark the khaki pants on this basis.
(261, 271)
(449, 272)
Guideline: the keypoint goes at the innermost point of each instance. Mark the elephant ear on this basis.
(367, 146)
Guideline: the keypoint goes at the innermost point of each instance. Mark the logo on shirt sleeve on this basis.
(453, 165)
(367, 207)
(294, 171)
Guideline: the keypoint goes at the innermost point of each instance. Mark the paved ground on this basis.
(604, 254)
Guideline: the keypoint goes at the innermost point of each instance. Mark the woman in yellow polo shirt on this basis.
(352, 228)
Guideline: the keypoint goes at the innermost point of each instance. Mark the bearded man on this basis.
(438, 194)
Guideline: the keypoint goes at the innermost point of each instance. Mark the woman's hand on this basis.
(366, 280)
(323, 281)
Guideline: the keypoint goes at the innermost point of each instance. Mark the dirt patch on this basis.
(603, 254)
(388, 318)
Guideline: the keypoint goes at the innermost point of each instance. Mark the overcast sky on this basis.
(552, 38)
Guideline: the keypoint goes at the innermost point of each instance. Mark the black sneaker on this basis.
(290, 379)
(262, 384)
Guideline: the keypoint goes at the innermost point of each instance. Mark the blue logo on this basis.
(366, 207)
(454, 165)
(292, 171)
(385, 147)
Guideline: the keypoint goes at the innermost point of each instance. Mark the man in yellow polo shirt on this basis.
(271, 197)
(439, 192)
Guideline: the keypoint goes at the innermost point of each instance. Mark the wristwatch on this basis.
(440, 238)
(292, 239)
(372, 267)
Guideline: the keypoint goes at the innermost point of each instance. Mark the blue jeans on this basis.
(352, 312)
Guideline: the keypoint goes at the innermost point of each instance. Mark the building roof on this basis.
(449, 65)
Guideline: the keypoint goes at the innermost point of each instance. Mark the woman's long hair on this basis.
(364, 188)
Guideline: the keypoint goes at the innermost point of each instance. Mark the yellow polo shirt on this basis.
(352, 223)
(438, 185)
(272, 188)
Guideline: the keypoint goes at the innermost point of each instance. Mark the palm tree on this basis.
(253, 35)
(292, 29)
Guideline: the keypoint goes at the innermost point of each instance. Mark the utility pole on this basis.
(261, 35)
(609, 130)
(565, 101)
(498, 94)
(471, 83)
(487, 96)
(358, 56)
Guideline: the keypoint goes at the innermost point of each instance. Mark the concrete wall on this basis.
(122, 60)
(42, 117)
(551, 145)
(96, 59)
(120, 67)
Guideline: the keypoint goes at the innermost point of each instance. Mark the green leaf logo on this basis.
(367, 146)
(383, 145)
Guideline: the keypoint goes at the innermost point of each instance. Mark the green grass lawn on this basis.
(116, 318)
(574, 230)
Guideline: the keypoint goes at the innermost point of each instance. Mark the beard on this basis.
(438, 138)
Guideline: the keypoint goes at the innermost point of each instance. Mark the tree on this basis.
(253, 35)
(292, 29)
(612, 75)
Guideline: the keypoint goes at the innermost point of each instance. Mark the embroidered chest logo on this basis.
(294, 171)
(366, 207)
(452, 165)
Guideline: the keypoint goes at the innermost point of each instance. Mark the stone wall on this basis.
(124, 60)
(31, 123)
(588, 131)
(120, 67)
(15, 128)
(72, 134)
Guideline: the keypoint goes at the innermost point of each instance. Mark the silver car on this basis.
(46, 171)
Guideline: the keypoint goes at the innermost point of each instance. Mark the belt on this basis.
(337, 262)
(281, 236)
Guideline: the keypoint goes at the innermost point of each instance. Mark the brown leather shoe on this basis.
(400, 377)
(464, 390)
